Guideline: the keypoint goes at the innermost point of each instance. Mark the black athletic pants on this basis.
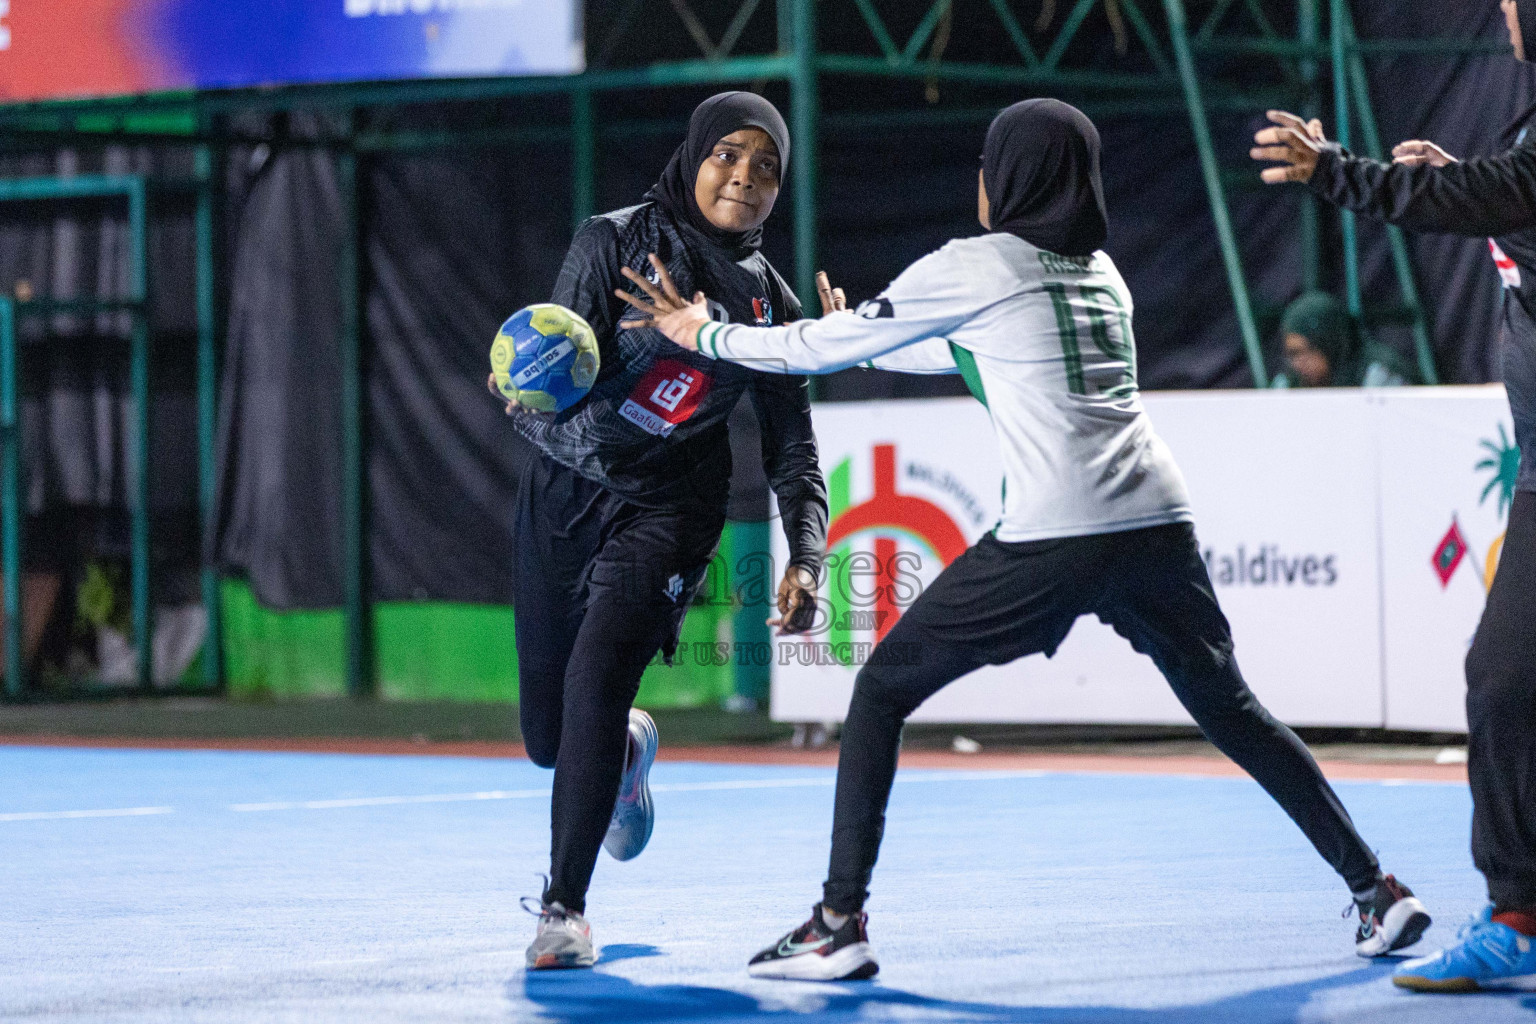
(1501, 718)
(999, 602)
(601, 587)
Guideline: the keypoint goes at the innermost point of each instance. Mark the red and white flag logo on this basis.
(1509, 270)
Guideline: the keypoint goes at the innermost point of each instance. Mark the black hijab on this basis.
(713, 120)
(1041, 168)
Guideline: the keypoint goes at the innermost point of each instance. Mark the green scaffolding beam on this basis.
(356, 578)
(1210, 170)
(10, 500)
(207, 165)
(1402, 263)
(1346, 55)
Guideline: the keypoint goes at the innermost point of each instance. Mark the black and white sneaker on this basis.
(814, 952)
(1394, 918)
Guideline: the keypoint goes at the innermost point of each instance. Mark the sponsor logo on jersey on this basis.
(541, 365)
(665, 397)
(1509, 270)
(763, 310)
(877, 309)
(674, 588)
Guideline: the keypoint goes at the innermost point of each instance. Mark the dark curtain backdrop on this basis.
(1465, 105)
(455, 240)
(280, 410)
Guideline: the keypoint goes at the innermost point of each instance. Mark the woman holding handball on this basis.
(618, 517)
(1096, 517)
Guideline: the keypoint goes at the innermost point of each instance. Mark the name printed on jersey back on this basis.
(1055, 263)
(667, 395)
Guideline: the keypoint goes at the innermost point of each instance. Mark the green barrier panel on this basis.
(271, 654)
(437, 651)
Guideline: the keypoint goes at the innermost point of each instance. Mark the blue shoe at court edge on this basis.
(634, 816)
(1489, 956)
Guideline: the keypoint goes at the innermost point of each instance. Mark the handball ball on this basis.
(545, 358)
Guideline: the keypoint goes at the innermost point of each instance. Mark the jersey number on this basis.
(1102, 318)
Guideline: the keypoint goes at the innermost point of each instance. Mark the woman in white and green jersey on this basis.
(1096, 517)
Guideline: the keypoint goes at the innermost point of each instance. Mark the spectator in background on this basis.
(1326, 348)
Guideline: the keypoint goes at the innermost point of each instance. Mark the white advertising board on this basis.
(1289, 492)
(1447, 475)
(1290, 539)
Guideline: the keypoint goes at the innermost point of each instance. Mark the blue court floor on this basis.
(213, 886)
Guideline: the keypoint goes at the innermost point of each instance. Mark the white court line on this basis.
(1405, 782)
(386, 801)
(726, 785)
(674, 787)
(114, 812)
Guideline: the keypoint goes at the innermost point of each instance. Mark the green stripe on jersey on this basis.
(968, 370)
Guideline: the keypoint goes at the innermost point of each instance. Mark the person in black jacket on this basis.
(1426, 189)
(619, 516)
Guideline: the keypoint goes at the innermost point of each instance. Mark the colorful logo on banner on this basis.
(1502, 464)
(52, 49)
(869, 586)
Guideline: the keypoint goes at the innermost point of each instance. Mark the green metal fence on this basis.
(1163, 77)
(135, 192)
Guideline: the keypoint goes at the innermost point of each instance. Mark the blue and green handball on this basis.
(545, 358)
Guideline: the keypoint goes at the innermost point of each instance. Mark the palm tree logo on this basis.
(1504, 462)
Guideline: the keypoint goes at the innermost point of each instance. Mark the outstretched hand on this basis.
(667, 311)
(1292, 142)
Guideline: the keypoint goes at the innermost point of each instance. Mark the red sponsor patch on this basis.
(665, 396)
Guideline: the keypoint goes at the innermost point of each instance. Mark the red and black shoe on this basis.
(815, 952)
(1394, 918)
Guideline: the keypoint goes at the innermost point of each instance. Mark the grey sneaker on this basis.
(564, 939)
(634, 816)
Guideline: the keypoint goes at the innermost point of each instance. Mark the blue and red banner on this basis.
(55, 49)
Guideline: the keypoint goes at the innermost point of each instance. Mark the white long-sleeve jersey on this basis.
(1044, 341)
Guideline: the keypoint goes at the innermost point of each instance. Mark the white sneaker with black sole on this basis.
(817, 952)
(634, 816)
(1392, 920)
